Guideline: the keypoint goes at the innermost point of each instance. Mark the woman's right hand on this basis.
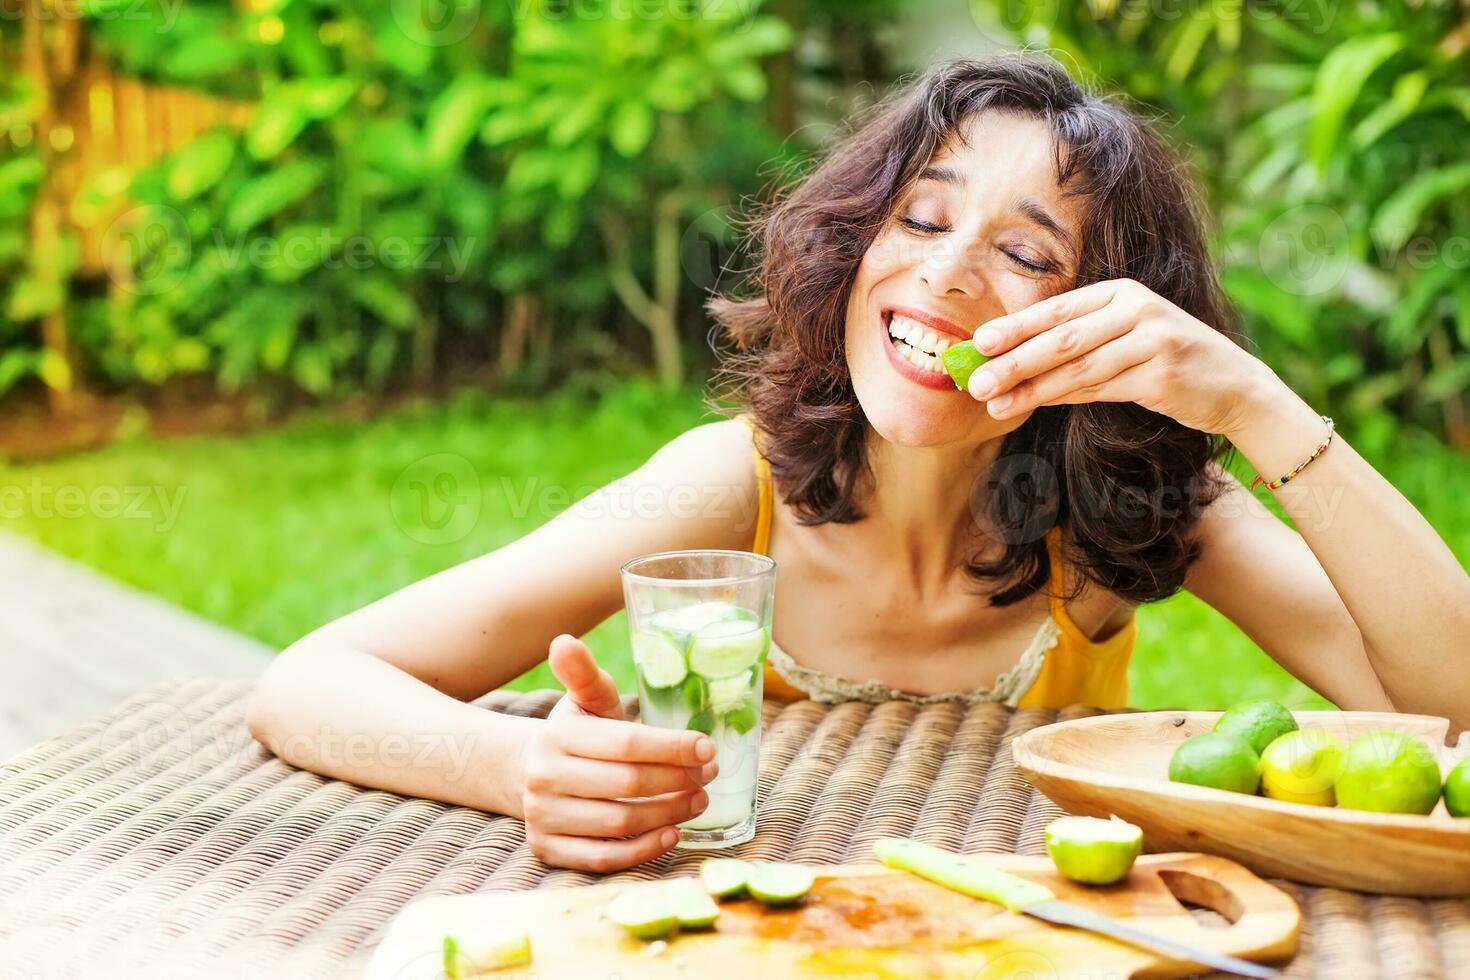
(601, 793)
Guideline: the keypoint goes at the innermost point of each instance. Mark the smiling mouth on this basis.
(921, 346)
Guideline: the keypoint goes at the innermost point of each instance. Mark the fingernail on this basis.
(982, 383)
(698, 802)
(710, 771)
(669, 837)
(1001, 403)
(986, 338)
(704, 749)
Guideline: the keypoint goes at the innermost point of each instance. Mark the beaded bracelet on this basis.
(1321, 448)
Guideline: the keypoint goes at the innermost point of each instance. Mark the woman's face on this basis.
(984, 231)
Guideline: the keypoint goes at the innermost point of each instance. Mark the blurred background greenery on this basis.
(273, 253)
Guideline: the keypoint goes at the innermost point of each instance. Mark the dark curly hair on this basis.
(1126, 485)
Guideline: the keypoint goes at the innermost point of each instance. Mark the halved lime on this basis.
(696, 909)
(726, 648)
(1093, 851)
(490, 947)
(659, 659)
(1457, 790)
(778, 883)
(961, 360)
(648, 913)
(724, 877)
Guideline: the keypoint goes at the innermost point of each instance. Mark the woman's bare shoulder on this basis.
(708, 473)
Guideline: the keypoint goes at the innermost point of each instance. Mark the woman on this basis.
(933, 544)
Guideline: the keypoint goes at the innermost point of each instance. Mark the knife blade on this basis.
(969, 877)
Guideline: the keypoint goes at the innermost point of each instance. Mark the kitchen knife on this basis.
(970, 877)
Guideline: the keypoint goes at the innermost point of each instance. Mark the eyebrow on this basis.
(1027, 207)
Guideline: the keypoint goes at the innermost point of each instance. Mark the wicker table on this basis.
(161, 839)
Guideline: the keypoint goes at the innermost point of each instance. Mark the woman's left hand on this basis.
(1116, 341)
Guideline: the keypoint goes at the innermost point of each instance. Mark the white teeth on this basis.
(942, 346)
(930, 339)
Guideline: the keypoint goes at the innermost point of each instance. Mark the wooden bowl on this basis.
(1119, 764)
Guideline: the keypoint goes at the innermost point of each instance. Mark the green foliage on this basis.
(1331, 139)
(401, 176)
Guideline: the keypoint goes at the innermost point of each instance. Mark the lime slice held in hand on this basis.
(1093, 851)
(726, 648)
(645, 912)
(1388, 772)
(488, 948)
(1217, 760)
(1259, 722)
(1457, 790)
(777, 883)
(659, 659)
(961, 360)
(1301, 767)
(724, 877)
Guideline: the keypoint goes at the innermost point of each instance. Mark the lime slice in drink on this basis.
(696, 909)
(780, 884)
(728, 693)
(743, 718)
(724, 877)
(961, 360)
(1457, 790)
(726, 648)
(648, 913)
(1093, 851)
(659, 659)
(688, 619)
(491, 947)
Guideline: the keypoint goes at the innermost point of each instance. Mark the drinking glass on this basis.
(700, 626)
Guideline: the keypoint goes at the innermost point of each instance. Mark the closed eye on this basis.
(925, 228)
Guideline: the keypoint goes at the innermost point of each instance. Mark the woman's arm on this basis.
(1400, 583)
(377, 697)
(1118, 341)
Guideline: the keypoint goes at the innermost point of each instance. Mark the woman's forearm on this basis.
(1402, 585)
(343, 713)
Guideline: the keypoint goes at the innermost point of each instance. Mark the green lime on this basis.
(647, 913)
(1301, 767)
(1217, 760)
(1093, 851)
(1388, 772)
(659, 659)
(777, 883)
(1258, 722)
(724, 877)
(695, 908)
(1457, 790)
(961, 360)
(726, 648)
(492, 947)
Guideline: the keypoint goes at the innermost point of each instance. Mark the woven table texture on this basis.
(161, 840)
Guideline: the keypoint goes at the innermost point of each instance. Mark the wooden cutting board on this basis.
(870, 921)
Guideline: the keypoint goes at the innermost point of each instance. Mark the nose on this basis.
(948, 268)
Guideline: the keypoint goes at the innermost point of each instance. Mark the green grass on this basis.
(280, 531)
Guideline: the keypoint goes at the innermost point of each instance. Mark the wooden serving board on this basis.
(1119, 764)
(869, 921)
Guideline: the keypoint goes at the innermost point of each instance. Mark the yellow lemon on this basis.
(1301, 767)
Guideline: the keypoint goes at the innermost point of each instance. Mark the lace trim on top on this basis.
(831, 689)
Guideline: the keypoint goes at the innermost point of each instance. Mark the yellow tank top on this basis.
(1075, 669)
